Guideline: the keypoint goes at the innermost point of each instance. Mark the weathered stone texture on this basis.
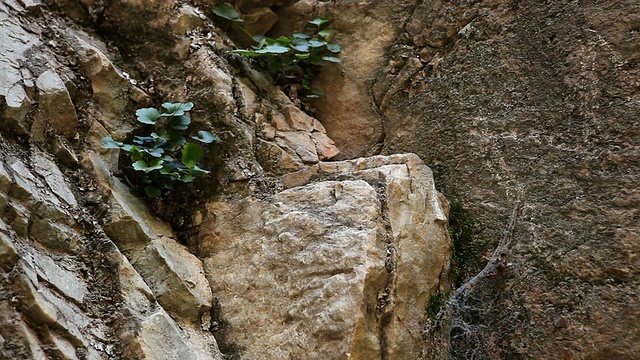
(364, 31)
(539, 98)
(327, 268)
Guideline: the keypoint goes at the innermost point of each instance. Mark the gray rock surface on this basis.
(56, 108)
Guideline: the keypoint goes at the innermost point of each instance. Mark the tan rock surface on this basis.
(174, 274)
(330, 268)
(346, 110)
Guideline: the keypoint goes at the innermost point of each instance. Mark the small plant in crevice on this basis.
(292, 60)
(165, 156)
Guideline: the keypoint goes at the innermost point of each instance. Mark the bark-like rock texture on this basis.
(538, 98)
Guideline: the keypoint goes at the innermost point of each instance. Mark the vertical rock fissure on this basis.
(386, 296)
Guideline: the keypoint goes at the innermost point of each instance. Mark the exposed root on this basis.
(450, 319)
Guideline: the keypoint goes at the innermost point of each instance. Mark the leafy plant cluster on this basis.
(154, 156)
(291, 59)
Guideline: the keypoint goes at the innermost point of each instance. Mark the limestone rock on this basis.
(330, 268)
(64, 153)
(54, 178)
(276, 160)
(300, 144)
(297, 119)
(159, 338)
(8, 255)
(26, 186)
(176, 278)
(55, 106)
(520, 111)
(157, 335)
(174, 274)
(257, 21)
(5, 179)
(325, 147)
(34, 305)
(15, 41)
(136, 294)
(65, 281)
(29, 345)
(346, 110)
(293, 139)
(111, 90)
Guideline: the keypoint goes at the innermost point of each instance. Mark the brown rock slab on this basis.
(300, 143)
(159, 338)
(187, 19)
(325, 146)
(173, 274)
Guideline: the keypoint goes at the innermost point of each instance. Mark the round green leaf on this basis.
(273, 49)
(109, 143)
(206, 137)
(155, 152)
(244, 52)
(284, 40)
(186, 178)
(180, 122)
(137, 155)
(325, 33)
(197, 171)
(142, 165)
(176, 109)
(331, 59)
(302, 46)
(141, 140)
(191, 154)
(227, 11)
(334, 48)
(318, 21)
(152, 191)
(148, 115)
(317, 43)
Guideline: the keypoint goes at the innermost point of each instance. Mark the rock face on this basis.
(501, 98)
(364, 30)
(281, 252)
(330, 268)
(90, 273)
(542, 99)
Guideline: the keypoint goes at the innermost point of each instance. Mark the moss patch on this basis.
(468, 247)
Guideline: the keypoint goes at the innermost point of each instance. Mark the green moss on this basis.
(435, 303)
(468, 248)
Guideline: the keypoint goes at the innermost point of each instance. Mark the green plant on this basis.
(154, 155)
(291, 59)
(468, 247)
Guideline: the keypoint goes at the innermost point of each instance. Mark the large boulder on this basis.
(341, 264)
